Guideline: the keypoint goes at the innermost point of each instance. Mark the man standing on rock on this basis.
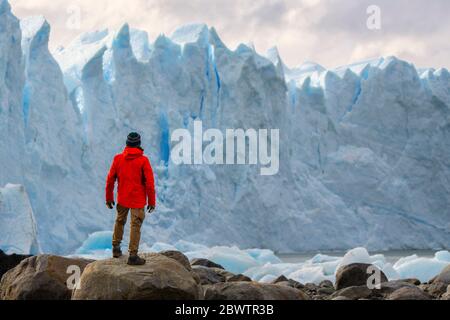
(136, 188)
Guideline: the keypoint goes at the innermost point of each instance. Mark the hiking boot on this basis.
(135, 260)
(117, 253)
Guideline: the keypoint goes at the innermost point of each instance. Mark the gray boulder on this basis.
(438, 285)
(409, 293)
(245, 290)
(355, 275)
(43, 277)
(238, 277)
(353, 293)
(446, 296)
(161, 278)
(178, 256)
(208, 275)
(9, 261)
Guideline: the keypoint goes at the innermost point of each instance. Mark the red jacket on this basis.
(135, 179)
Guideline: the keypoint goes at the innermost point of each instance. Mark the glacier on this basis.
(364, 148)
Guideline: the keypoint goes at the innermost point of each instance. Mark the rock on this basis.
(8, 262)
(311, 287)
(281, 278)
(223, 272)
(341, 298)
(355, 275)
(178, 256)
(208, 275)
(391, 286)
(161, 278)
(409, 293)
(438, 285)
(446, 296)
(326, 290)
(444, 276)
(238, 277)
(326, 284)
(40, 278)
(413, 281)
(290, 283)
(436, 289)
(283, 281)
(353, 293)
(205, 263)
(252, 291)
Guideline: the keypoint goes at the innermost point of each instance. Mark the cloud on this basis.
(330, 32)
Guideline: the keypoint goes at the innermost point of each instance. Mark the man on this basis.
(135, 189)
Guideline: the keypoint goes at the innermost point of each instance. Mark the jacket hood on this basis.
(132, 153)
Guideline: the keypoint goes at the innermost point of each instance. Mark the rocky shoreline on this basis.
(169, 275)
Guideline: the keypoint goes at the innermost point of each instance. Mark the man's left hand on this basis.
(150, 209)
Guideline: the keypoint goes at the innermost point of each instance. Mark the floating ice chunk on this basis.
(268, 278)
(389, 271)
(423, 269)
(330, 267)
(318, 258)
(231, 258)
(263, 255)
(404, 260)
(186, 246)
(310, 274)
(357, 255)
(97, 241)
(259, 272)
(442, 256)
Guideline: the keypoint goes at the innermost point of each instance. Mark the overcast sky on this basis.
(329, 32)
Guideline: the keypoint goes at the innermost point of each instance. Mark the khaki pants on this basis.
(137, 217)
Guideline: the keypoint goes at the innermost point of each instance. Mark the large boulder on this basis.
(444, 276)
(353, 293)
(44, 277)
(446, 296)
(245, 290)
(283, 281)
(161, 278)
(205, 263)
(281, 278)
(387, 288)
(355, 274)
(409, 293)
(208, 275)
(178, 256)
(8, 262)
(238, 277)
(438, 285)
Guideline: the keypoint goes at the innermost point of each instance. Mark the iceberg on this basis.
(17, 222)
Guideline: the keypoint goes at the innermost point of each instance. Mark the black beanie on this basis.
(134, 140)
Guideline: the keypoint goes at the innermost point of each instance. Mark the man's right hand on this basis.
(110, 204)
